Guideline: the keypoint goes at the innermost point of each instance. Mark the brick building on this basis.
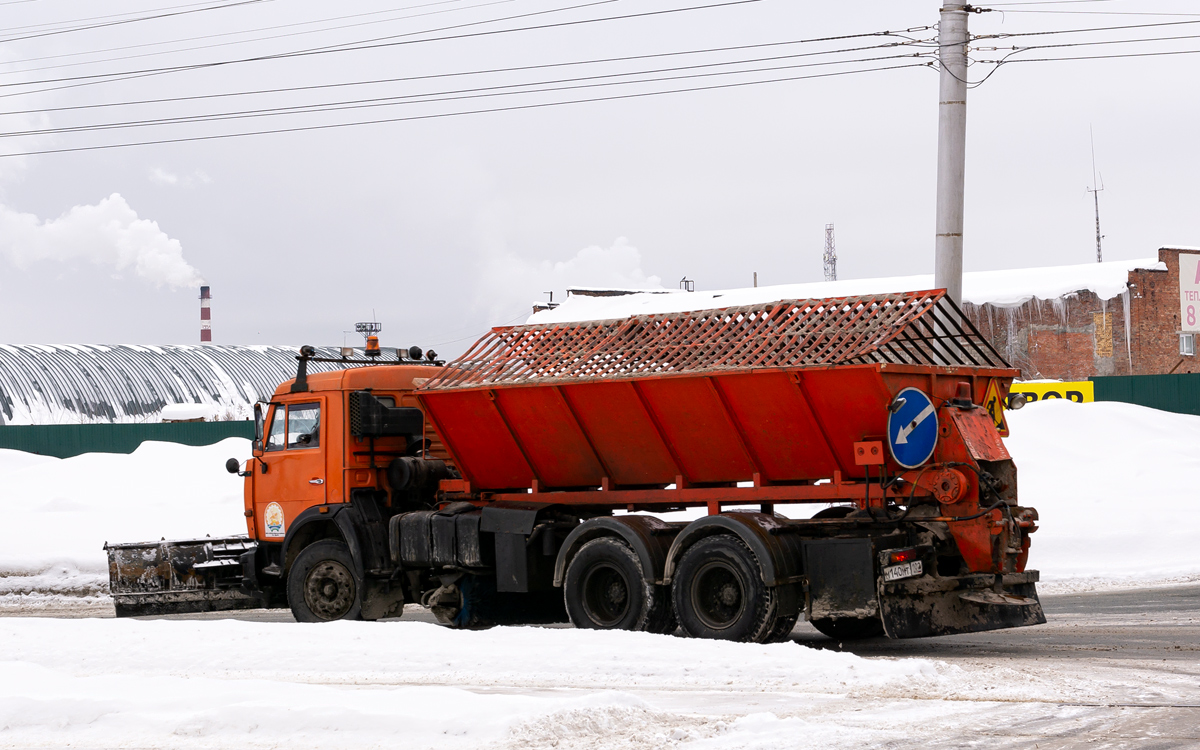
(1134, 317)
(1139, 331)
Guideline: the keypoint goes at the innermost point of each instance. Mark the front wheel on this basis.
(321, 585)
(606, 589)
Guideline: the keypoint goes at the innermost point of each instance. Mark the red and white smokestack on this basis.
(205, 315)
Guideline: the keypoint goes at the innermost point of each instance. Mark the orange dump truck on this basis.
(520, 482)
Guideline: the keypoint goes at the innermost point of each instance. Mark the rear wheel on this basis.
(321, 584)
(849, 628)
(719, 593)
(606, 589)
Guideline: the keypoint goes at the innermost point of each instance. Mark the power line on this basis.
(1105, 13)
(1052, 2)
(371, 44)
(139, 19)
(489, 71)
(1093, 44)
(440, 115)
(93, 18)
(242, 41)
(462, 94)
(1092, 57)
(1126, 27)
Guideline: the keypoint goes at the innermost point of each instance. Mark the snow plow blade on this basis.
(966, 604)
(175, 577)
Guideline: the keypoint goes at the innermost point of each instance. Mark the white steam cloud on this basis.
(108, 234)
(513, 283)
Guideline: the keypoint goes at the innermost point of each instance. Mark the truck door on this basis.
(291, 474)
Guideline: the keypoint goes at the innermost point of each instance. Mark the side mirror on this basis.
(258, 426)
(233, 466)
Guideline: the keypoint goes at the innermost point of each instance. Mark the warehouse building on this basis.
(86, 384)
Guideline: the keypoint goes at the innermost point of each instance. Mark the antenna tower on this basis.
(1095, 191)
(830, 256)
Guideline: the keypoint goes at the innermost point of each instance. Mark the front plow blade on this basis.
(174, 577)
(967, 604)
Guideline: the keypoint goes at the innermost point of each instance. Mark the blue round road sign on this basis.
(913, 429)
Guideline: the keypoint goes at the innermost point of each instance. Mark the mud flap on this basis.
(175, 577)
(968, 604)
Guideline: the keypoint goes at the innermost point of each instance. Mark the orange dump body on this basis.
(771, 394)
(773, 426)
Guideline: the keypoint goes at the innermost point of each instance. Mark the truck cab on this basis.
(323, 448)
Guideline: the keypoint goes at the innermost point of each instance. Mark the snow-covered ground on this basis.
(201, 684)
(1117, 488)
(60, 512)
(1115, 485)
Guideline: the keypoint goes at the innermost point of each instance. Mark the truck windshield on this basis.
(304, 426)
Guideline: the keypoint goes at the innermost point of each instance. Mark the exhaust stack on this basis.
(205, 316)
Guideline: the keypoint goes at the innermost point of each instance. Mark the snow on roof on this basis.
(1007, 288)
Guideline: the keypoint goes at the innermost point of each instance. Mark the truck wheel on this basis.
(321, 585)
(849, 628)
(784, 625)
(606, 589)
(719, 592)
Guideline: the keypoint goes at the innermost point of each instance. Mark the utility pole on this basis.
(952, 147)
(830, 256)
(1095, 191)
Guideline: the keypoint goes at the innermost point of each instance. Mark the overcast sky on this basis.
(445, 226)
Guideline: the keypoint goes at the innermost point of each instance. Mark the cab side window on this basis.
(304, 426)
(277, 430)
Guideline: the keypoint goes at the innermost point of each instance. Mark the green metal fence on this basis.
(66, 440)
(1177, 393)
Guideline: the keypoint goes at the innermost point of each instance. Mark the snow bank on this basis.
(1114, 484)
(60, 512)
(1007, 288)
(351, 684)
(186, 412)
(1116, 488)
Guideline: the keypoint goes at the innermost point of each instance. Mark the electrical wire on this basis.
(486, 71)
(441, 115)
(1001, 63)
(1104, 13)
(240, 41)
(375, 43)
(462, 94)
(1090, 44)
(1051, 2)
(139, 19)
(94, 18)
(1126, 27)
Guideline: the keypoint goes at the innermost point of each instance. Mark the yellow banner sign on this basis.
(1080, 391)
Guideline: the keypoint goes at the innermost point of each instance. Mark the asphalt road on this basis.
(1156, 623)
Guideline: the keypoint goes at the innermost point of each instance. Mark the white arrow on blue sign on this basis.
(913, 428)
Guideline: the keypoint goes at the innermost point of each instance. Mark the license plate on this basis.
(903, 570)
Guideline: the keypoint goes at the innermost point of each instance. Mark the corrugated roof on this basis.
(71, 384)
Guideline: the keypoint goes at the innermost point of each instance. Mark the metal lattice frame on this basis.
(914, 328)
